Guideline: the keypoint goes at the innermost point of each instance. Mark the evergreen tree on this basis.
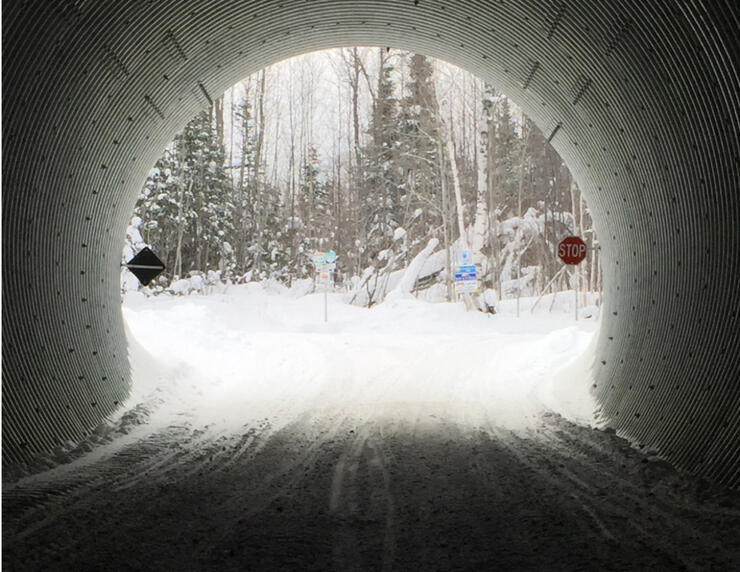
(158, 206)
(396, 172)
(314, 203)
(201, 162)
(419, 157)
(381, 198)
(244, 204)
(506, 159)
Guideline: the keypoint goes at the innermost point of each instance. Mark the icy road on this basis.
(412, 436)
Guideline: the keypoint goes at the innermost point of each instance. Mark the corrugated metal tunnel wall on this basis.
(645, 95)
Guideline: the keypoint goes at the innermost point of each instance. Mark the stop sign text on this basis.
(572, 250)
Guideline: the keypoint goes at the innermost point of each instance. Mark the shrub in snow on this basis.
(134, 243)
(274, 286)
(300, 288)
(197, 284)
(360, 295)
(179, 287)
(129, 282)
(408, 279)
(488, 301)
(436, 293)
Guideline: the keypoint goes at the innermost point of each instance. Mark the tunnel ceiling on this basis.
(640, 98)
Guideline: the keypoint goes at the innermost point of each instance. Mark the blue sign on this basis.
(466, 279)
(330, 256)
(466, 272)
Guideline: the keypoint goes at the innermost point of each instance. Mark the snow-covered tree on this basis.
(419, 150)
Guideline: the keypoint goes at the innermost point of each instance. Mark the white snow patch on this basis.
(253, 350)
(411, 273)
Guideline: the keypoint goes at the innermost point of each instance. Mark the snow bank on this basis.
(256, 348)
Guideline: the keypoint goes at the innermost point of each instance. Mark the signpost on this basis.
(325, 263)
(572, 250)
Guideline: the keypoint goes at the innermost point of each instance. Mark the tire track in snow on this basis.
(610, 500)
(361, 502)
(408, 490)
(537, 458)
(344, 504)
(656, 512)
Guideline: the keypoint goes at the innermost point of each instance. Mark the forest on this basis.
(372, 153)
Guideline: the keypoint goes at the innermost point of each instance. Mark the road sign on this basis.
(572, 250)
(325, 260)
(319, 258)
(466, 258)
(465, 271)
(145, 266)
(466, 279)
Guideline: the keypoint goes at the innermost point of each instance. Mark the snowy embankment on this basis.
(248, 352)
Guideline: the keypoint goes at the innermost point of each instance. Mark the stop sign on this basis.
(572, 250)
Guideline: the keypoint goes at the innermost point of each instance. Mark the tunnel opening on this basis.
(349, 171)
(383, 156)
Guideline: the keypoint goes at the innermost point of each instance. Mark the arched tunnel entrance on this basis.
(249, 318)
(641, 100)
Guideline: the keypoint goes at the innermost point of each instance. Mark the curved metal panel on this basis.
(646, 93)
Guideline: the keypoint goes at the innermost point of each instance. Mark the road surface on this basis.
(397, 487)
(413, 436)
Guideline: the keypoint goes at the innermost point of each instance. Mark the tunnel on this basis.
(639, 98)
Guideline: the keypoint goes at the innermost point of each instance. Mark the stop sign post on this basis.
(572, 250)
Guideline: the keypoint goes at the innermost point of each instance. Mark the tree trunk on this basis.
(447, 134)
(525, 142)
(180, 229)
(584, 270)
(491, 181)
(355, 84)
(242, 205)
(481, 220)
(257, 193)
(293, 247)
(219, 113)
(445, 220)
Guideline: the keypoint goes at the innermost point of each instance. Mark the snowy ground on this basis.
(247, 351)
(412, 436)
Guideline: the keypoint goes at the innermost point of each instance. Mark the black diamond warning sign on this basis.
(145, 266)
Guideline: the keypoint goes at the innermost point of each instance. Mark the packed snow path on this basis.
(408, 437)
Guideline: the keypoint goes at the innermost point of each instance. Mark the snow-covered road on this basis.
(411, 436)
(249, 351)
